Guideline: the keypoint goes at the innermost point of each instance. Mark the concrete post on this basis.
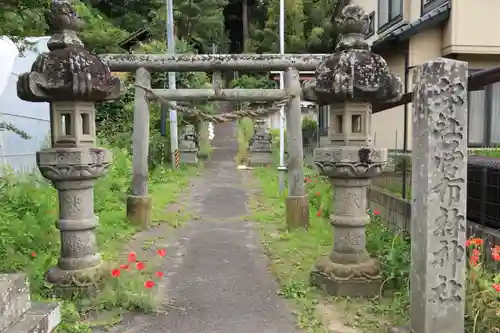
(350, 80)
(297, 204)
(139, 202)
(439, 197)
(72, 80)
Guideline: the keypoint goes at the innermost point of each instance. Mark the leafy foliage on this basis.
(115, 118)
(253, 82)
(309, 26)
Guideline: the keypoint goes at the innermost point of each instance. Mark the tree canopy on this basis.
(308, 23)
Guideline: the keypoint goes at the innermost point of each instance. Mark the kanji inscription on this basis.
(449, 229)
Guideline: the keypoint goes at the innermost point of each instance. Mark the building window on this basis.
(477, 112)
(370, 31)
(484, 116)
(429, 5)
(390, 12)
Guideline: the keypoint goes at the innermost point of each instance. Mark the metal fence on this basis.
(483, 185)
(483, 191)
(397, 174)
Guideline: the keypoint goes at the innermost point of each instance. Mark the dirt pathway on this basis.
(216, 272)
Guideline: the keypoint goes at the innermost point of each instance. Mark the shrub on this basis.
(309, 124)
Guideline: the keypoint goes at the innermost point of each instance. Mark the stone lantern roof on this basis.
(353, 72)
(68, 72)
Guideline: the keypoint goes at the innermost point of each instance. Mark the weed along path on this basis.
(216, 274)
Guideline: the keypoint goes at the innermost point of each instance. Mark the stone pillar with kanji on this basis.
(349, 81)
(72, 80)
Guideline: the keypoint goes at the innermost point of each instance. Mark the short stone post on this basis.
(261, 145)
(439, 197)
(72, 80)
(350, 80)
(139, 202)
(297, 203)
(187, 145)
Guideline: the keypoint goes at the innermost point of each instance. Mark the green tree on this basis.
(309, 26)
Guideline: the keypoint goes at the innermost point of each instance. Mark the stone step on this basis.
(14, 298)
(40, 318)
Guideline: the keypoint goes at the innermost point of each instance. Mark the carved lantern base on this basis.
(189, 156)
(349, 270)
(73, 172)
(260, 157)
(335, 286)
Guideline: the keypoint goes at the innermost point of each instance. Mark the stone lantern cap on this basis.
(353, 72)
(68, 72)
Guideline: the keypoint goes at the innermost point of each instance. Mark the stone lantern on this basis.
(72, 80)
(349, 81)
(260, 145)
(187, 145)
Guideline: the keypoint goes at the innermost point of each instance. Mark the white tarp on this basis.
(8, 55)
(33, 118)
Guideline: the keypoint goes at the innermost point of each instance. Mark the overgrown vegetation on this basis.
(294, 252)
(29, 240)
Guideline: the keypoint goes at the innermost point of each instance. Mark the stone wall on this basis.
(395, 211)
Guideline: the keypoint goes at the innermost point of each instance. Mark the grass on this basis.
(29, 241)
(293, 254)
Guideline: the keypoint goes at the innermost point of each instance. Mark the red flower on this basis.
(139, 266)
(162, 252)
(474, 241)
(496, 286)
(132, 257)
(318, 213)
(33, 254)
(115, 272)
(124, 266)
(376, 212)
(318, 194)
(159, 274)
(473, 260)
(149, 284)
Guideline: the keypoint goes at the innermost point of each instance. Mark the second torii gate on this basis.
(139, 202)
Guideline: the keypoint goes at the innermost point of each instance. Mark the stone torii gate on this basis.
(139, 202)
